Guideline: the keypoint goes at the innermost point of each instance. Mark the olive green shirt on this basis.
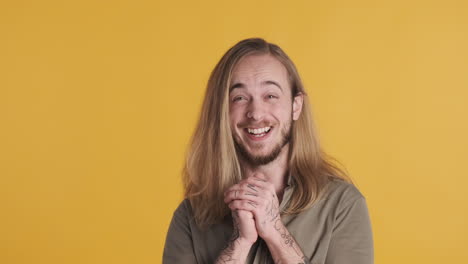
(335, 230)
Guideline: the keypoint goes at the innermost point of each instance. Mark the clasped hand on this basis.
(257, 196)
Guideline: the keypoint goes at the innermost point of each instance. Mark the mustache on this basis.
(255, 124)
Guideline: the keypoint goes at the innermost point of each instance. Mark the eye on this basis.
(271, 96)
(237, 98)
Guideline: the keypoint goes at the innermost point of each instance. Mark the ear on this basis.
(297, 106)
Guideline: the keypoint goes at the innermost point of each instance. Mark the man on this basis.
(258, 187)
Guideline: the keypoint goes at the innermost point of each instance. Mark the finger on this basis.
(261, 189)
(241, 195)
(232, 188)
(260, 183)
(242, 205)
(244, 214)
(259, 175)
(252, 187)
(244, 185)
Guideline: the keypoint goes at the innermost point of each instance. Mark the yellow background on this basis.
(98, 100)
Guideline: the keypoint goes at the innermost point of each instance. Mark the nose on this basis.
(255, 110)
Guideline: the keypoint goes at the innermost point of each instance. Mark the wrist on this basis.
(243, 243)
(274, 235)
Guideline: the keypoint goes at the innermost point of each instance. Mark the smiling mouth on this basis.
(258, 132)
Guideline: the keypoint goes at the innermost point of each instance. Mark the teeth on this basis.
(257, 131)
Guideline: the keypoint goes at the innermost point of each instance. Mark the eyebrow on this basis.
(267, 82)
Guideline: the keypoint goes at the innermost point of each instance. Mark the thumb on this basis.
(244, 214)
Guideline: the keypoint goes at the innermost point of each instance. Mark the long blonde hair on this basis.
(212, 164)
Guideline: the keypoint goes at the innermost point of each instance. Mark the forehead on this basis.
(258, 68)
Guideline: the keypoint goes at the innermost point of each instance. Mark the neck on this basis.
(275, 171)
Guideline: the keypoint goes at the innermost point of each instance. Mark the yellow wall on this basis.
(99, 98)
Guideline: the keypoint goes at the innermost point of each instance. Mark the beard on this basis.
(258, 160)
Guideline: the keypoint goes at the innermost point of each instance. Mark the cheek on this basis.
(284, 112)
(235, 116)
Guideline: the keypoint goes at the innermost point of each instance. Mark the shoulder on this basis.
(341, 192)
(183, 213)
(182, 218)
(344, 203)
(184, 209)
(350, 227)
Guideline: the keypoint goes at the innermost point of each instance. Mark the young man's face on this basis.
(261, 108)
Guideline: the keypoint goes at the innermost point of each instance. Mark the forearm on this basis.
(235, 252)
(284, 248)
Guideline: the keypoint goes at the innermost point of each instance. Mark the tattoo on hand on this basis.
(288, 240)
(252, 204)
(252, 187)
(272, 209)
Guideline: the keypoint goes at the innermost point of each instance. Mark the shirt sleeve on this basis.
(351, 241)
(179, 247)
